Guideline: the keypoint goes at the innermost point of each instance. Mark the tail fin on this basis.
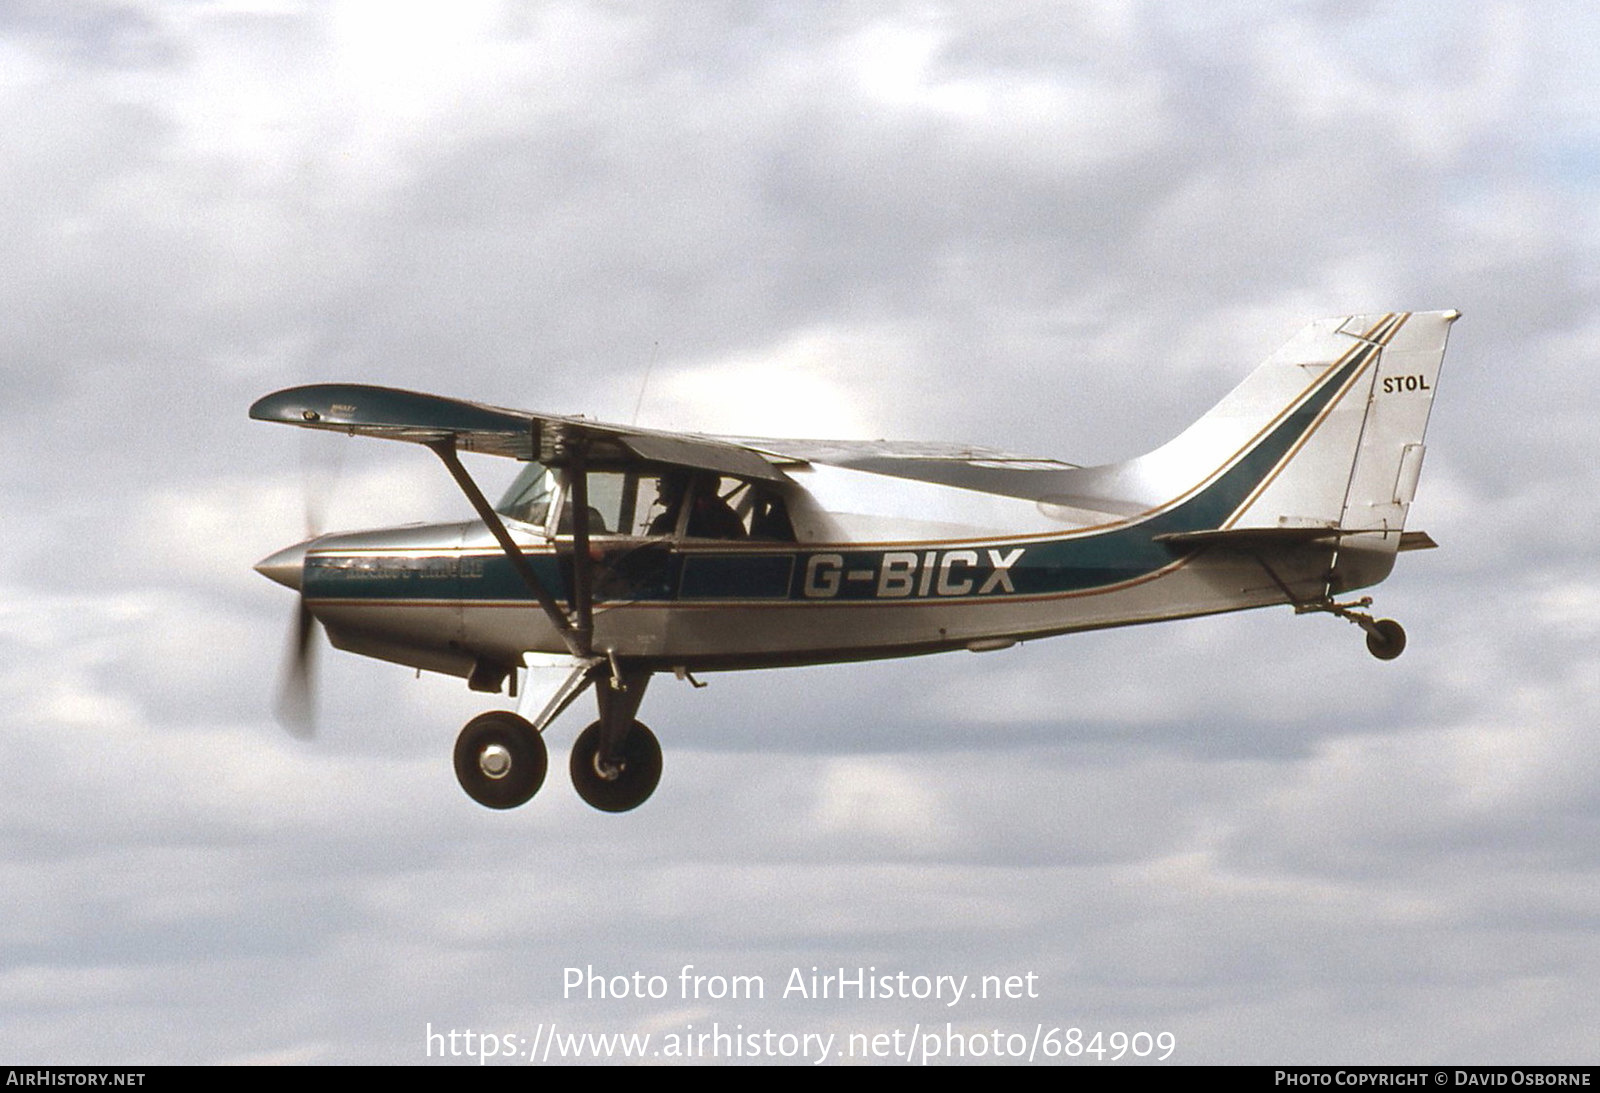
(1324, 439)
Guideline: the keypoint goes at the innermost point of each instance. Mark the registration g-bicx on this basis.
(625, 552)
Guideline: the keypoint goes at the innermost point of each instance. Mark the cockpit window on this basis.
(666, 503)
(703, 505)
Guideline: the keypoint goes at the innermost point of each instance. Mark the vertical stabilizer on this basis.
(1325, 436)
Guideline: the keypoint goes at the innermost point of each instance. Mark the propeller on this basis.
(296, 706)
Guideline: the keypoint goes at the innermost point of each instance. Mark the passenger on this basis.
(769, 519)
(597, 522)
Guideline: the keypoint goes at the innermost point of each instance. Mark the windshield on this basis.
(528, 499)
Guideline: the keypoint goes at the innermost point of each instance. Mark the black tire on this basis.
(509, 738)
(1386, 640)
(631, 785)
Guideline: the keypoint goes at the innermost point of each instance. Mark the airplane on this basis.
(619, 553)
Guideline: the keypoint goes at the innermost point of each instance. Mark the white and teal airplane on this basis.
(622, 552)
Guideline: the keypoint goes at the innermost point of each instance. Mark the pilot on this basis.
(710, 517)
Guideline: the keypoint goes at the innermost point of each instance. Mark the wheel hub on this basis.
(495, 761)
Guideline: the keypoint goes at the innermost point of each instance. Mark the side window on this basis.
(704, 505)
(673, 503)
(606, 490)
(667, 503)
(619, 503)
(769, 516)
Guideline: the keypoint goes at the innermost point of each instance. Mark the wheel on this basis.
(1386, 640)
(627, 786)
(500, 760)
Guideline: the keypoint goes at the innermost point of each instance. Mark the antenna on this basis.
(645, 384)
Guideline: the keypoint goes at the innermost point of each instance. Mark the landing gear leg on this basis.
(616, 762)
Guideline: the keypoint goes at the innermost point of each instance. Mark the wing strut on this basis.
(575, 637)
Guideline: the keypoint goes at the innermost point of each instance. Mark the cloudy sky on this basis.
(1060, 228)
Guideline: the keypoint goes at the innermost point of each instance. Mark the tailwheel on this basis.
(1386, 639)
(500, 760)
(619, 783)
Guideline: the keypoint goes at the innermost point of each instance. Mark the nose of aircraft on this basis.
(286, 565)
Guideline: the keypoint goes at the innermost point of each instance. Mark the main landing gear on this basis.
(501, 758)
(616, 780)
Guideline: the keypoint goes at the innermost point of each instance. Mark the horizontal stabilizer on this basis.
(1250, 538)
(1416, 540)
(1258, 538)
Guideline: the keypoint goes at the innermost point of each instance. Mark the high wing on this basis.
(392, 414)
(964, 466)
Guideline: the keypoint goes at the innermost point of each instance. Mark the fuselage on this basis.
(442, 597)
(446, 597)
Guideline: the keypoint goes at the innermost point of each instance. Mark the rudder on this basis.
(1388, 458)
